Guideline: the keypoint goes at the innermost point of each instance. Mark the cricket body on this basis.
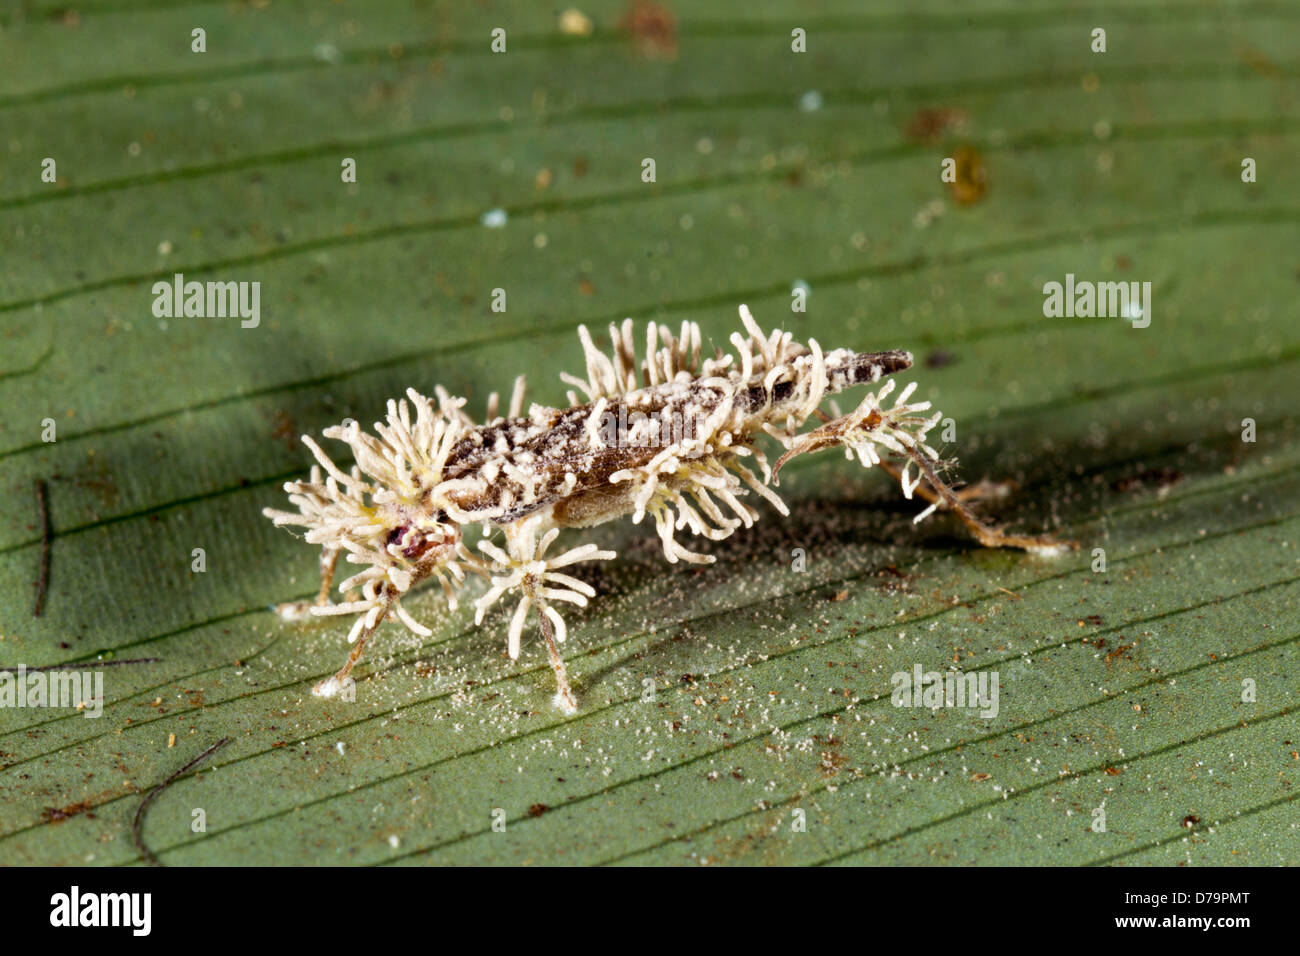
(674, 435)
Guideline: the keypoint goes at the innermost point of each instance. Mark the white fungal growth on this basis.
(334, 687)
(672, 433)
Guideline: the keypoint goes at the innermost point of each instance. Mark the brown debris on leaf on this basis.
(653, 29)
(932, 124)
(971, 181)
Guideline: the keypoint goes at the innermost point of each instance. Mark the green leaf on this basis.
(1120, 690)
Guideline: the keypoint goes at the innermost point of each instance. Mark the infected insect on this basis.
(672, 435)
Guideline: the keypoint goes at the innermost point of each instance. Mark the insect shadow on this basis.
(858, 521)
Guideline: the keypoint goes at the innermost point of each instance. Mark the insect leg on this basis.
(379, 597)
(985, 534)
(298, 610)
(983, 491)
(329, 562)
(564, 697)
(525, 569)
(341, 682)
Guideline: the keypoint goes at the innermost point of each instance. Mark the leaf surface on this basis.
(1120, 690)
